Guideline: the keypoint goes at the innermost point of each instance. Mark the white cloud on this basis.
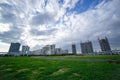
(4, 27)
(4, 47)
(91, 24)
(40, 18)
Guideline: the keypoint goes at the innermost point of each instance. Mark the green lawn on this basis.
(91, 57)
(28, 68)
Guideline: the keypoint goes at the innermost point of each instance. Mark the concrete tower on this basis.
(14, 48)
(74, 49)
(86, 47)
(104, 44)
(25, 49)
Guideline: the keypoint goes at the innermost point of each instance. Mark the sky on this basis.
(62, 22)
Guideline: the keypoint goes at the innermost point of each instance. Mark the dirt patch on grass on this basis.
(60, 71)
(22, 70)
(35, 72)
(41, 68)
(8, 69)
(75, 74)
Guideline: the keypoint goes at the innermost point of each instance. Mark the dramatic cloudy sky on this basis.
(62, 22)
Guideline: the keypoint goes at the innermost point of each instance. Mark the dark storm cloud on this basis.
(6, 6)
(41, 19)
(13, 35)
(43, 32)
(115, 42)
(8, 18)
(7, 14)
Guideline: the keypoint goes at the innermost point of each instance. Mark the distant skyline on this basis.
(62, 22)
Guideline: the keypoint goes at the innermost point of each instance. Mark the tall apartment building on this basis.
(14, 48)
(104, 44)
(25, 49)
(74, 49)
(48, 50)
(86, 47)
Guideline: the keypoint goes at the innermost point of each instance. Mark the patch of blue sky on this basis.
(79, 8)
(61, 1)
(45, 2)
(84, 6)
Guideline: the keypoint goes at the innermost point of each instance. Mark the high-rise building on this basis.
(74, 49)
(48, 50)
(25, 49)
(53, 49)
(58, 51)
(14, 48)
(104, 44)
(86, 47)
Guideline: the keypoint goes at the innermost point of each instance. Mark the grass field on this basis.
(59, 68)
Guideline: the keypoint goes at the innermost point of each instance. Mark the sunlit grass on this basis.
(28, 68)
